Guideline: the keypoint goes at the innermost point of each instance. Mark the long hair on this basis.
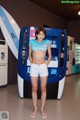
(38, 30)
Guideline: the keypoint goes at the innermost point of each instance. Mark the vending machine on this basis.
(76, 66)
(3, 63)
(56, 67)
(70, 55)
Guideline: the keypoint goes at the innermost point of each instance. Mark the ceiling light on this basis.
(79, 13)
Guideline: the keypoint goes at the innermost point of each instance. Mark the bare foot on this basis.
(43, 113)
(33, 115)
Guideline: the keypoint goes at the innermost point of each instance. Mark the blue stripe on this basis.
(9, 28)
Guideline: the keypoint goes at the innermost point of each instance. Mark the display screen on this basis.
(23, 53)
(24, 39)
(77, 53)
(62, 50)
(2, 55)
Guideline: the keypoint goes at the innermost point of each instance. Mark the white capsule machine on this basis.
(3, 63)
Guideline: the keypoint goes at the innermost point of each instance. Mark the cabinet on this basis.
(3, 63)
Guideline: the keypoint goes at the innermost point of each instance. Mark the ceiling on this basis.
(67, 11)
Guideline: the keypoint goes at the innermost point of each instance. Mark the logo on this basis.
(13, 36)
(44, 45)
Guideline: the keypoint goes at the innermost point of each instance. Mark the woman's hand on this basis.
(46, 63)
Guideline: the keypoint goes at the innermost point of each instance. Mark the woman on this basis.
(37, 54)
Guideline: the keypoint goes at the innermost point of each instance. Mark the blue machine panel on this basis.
(57, 66)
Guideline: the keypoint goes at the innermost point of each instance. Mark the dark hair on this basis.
(38, 30)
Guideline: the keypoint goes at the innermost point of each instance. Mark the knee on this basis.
(34, 89)
(43, 89)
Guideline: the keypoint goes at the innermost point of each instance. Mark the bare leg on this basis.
(43, 91)
(34, 82)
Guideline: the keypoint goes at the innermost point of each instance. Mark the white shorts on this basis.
(38, 70)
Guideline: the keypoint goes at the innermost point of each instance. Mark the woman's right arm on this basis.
(30, 53)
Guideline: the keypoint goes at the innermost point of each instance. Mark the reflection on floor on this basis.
(68, 108)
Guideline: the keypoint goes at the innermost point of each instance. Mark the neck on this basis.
(39, 40)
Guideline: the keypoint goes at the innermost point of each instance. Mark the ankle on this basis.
(35, 109)
(42, 110)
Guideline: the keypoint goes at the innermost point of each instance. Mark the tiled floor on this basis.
(68, 108)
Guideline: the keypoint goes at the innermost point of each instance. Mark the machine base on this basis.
(52, 90)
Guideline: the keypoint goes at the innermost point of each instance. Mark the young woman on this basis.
(37, 54)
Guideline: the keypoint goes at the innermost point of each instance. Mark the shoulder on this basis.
(47, 41)
(31, 41)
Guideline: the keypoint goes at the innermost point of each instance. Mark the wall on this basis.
(73, 29)
(26, 13)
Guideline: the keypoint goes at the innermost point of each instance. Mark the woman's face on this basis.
(40, 36)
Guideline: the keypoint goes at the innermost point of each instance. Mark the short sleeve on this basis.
(48, 42)
(30, 42)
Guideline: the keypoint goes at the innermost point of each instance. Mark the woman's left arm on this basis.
(49, 55)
